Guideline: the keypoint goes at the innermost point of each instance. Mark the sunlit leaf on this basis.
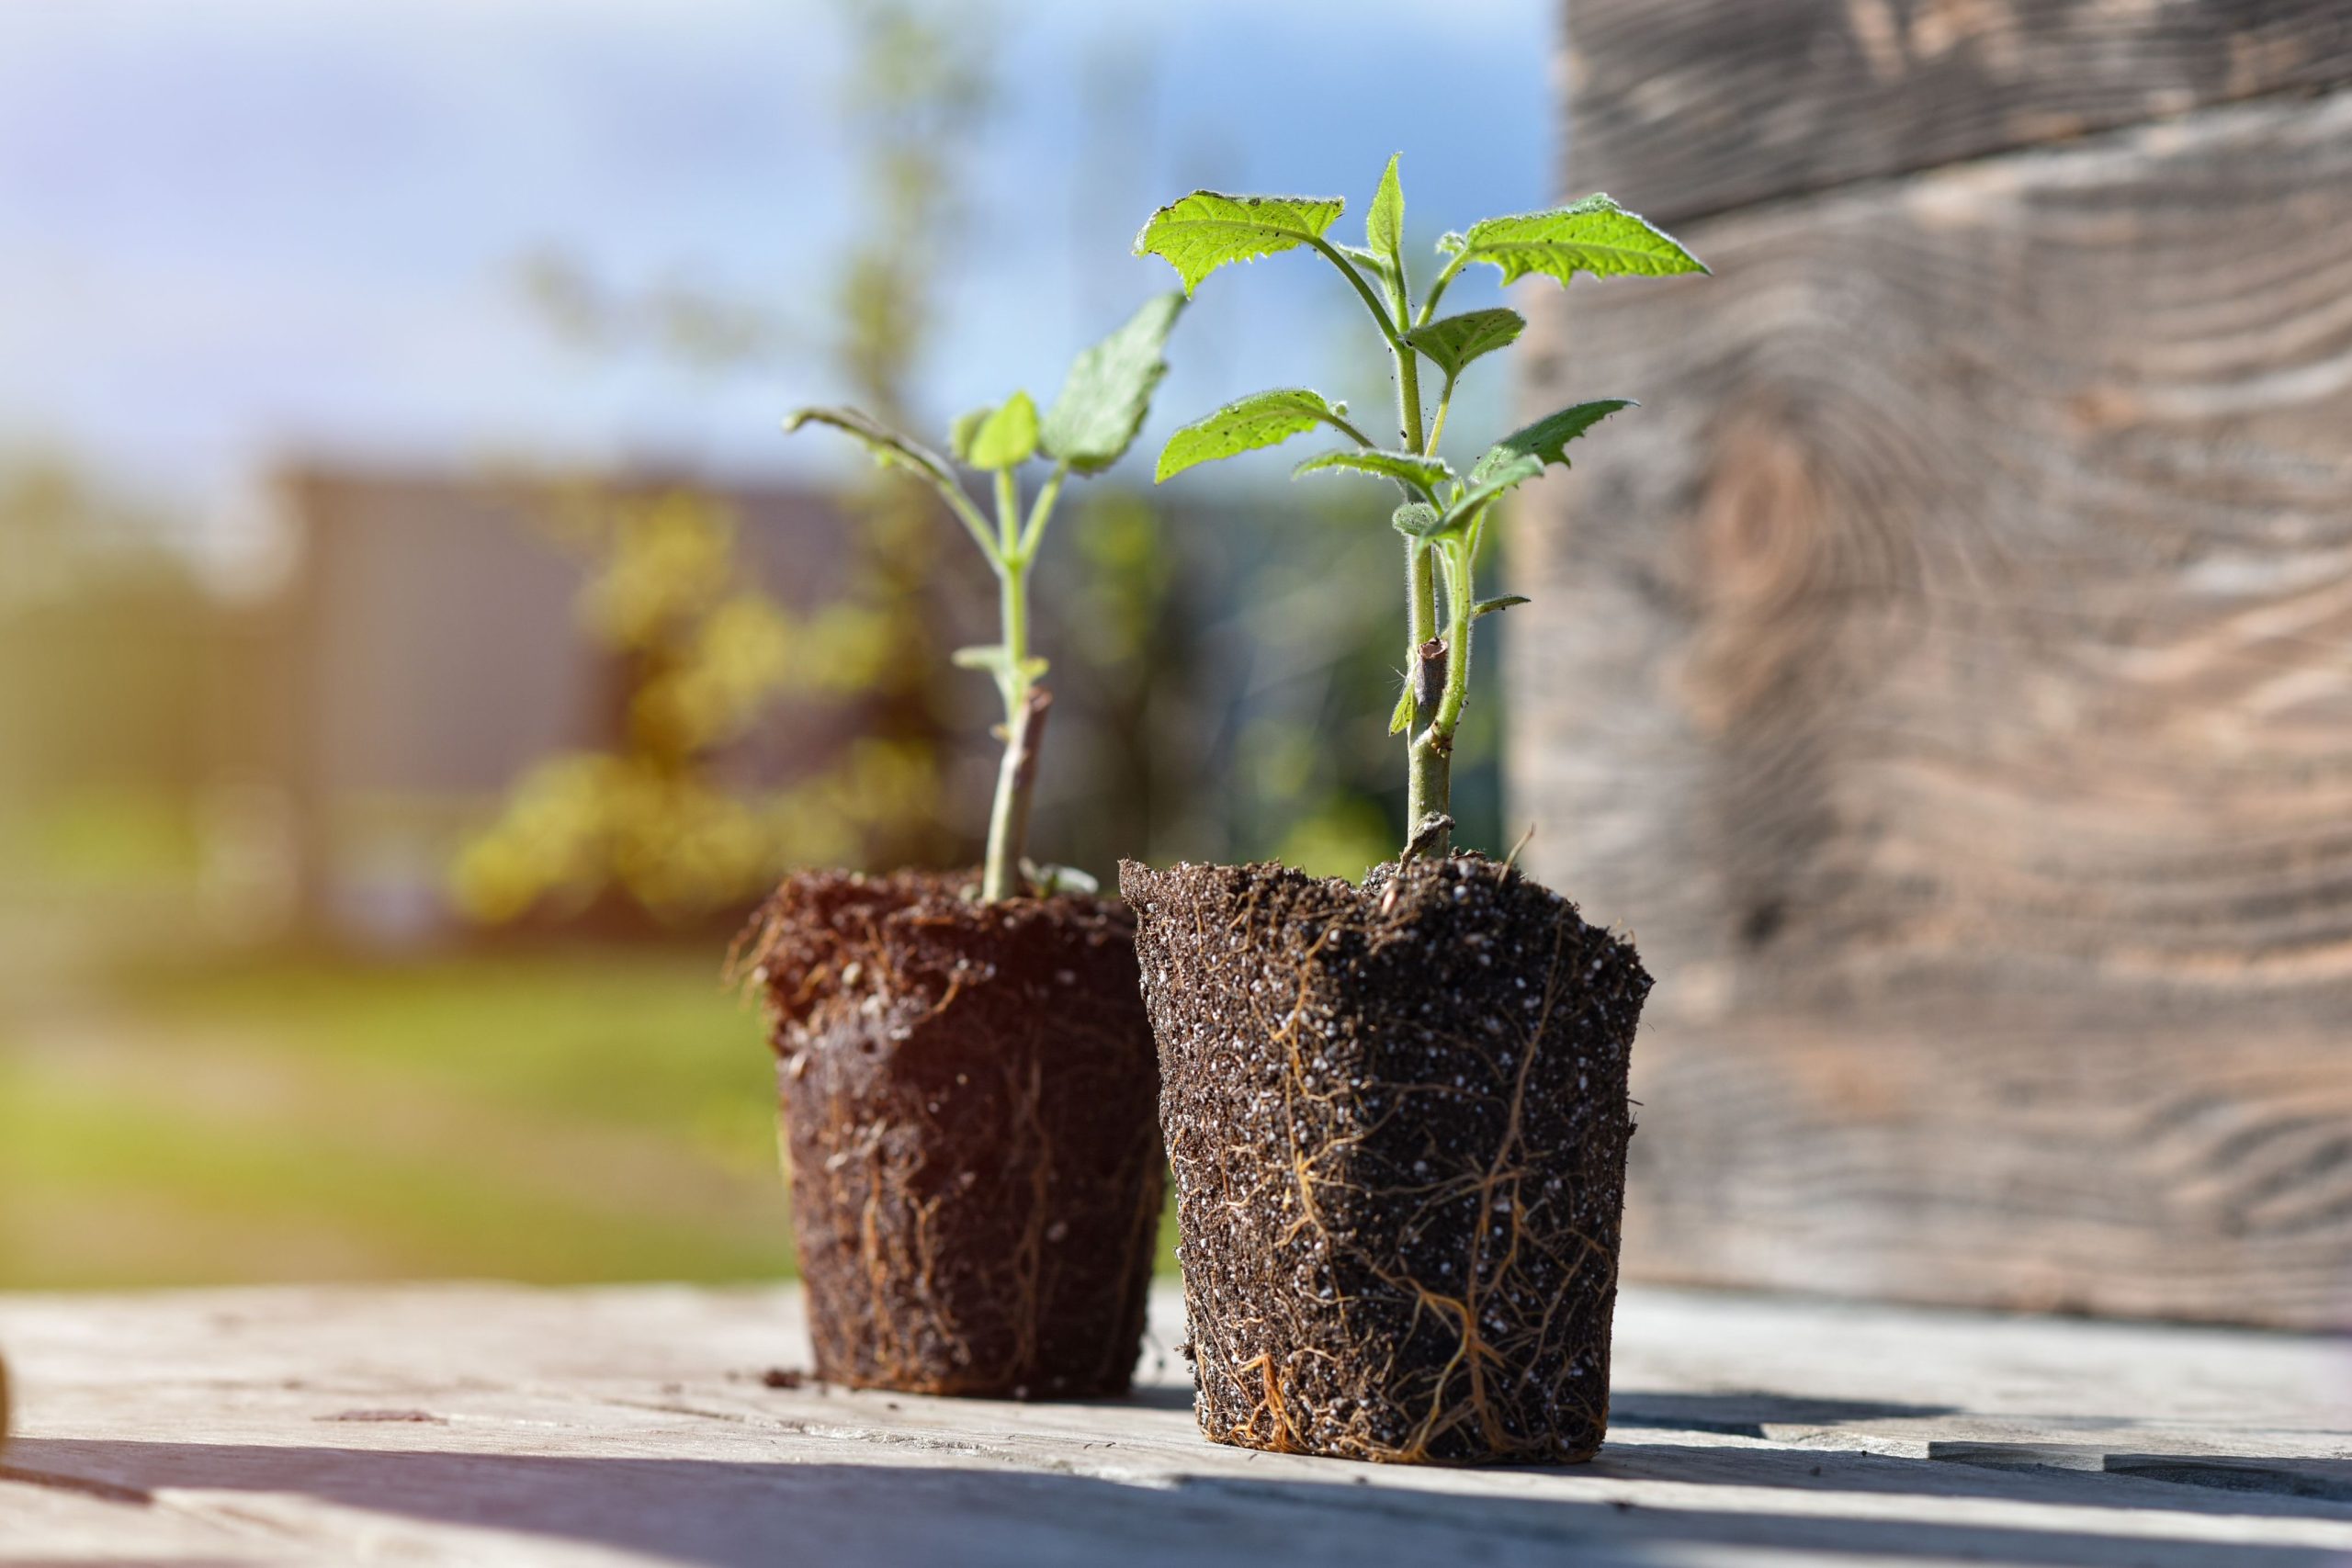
(1424, 474)
(1004, 438)
(1451, 343)
(1262, 419)
(1594, 236)
(1200, 232)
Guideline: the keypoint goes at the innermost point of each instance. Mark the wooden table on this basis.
(470, 1424)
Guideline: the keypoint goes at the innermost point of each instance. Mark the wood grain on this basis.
(1948, 676)
(493, 1424)
(1684, 107)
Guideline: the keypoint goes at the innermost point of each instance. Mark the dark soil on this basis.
(969, 1095)
(1397, 1118)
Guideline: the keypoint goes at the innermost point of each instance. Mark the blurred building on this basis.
(427, 648)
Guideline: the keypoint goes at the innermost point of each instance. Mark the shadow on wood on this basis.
(726, 1514)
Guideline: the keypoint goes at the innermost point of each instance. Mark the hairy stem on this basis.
(1016, 784)
(1024, 701)
(1430, 824)
(1427, 788)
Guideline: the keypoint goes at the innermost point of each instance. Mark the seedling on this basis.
(1090, 426)
(1444, 516)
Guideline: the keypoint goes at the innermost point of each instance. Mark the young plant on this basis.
(1090, 425)
(1443, 517)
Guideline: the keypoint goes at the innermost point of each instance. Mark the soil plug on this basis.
(965, 1073)
(1396, 1111)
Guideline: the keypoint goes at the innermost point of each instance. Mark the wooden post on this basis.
(1947, 674)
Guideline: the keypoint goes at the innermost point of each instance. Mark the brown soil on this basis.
(969, 1095)
(1397, 1118)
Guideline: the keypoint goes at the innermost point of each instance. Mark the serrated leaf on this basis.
(1005, 437)
(1379, 265)
(1594, 236)
(1108, 391)
(1411, 468)
(1401, 719)
(1202, 231)
(1262, 419)
(890, 448)
(1383, 221)
(1452, 342)
(1488, 606)
(1416, 520)
(1547, 440)
(1521, 454)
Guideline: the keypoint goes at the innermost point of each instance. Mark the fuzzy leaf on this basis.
(1108, 391)
(1450, 243)
(1488, 606)
(1452, 342)
(1262, 419)
(1004, 438)
(1416, 520)
(1200, 232)
(1401, 719)
(1424, 474)
(1594, 236)
(1521, 454)
(1547, 440)
(1383, 223)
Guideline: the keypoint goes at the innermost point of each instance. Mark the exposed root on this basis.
(969, 1103)
(1398, 1119)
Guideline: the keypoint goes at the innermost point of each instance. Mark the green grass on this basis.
(582, 1115)
(601, 1115)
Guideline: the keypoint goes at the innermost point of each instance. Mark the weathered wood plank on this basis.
(1948, 677)
(632, 1426)
(1683, 107)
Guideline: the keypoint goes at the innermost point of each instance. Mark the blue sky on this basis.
(237, 230)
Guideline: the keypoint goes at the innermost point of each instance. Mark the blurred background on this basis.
(418, 645)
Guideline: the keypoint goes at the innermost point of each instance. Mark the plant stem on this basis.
(1016, 783)
(1024, 701)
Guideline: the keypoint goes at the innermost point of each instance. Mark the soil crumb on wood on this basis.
(970, 1097)
(1398, 1118)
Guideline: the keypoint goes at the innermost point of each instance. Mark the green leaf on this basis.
(1594, 236)
(1424, 474)
(1383, 223)
(1416, 520)
(1262, 419)
(1521, 454)
(1108, 391)
(1547, 440)
(1488, 606)
(1401, 719)
(1004, 438)
(1452, 342)
(960, 433)
(890, 448)
(1450, 243)
(1200, 232)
